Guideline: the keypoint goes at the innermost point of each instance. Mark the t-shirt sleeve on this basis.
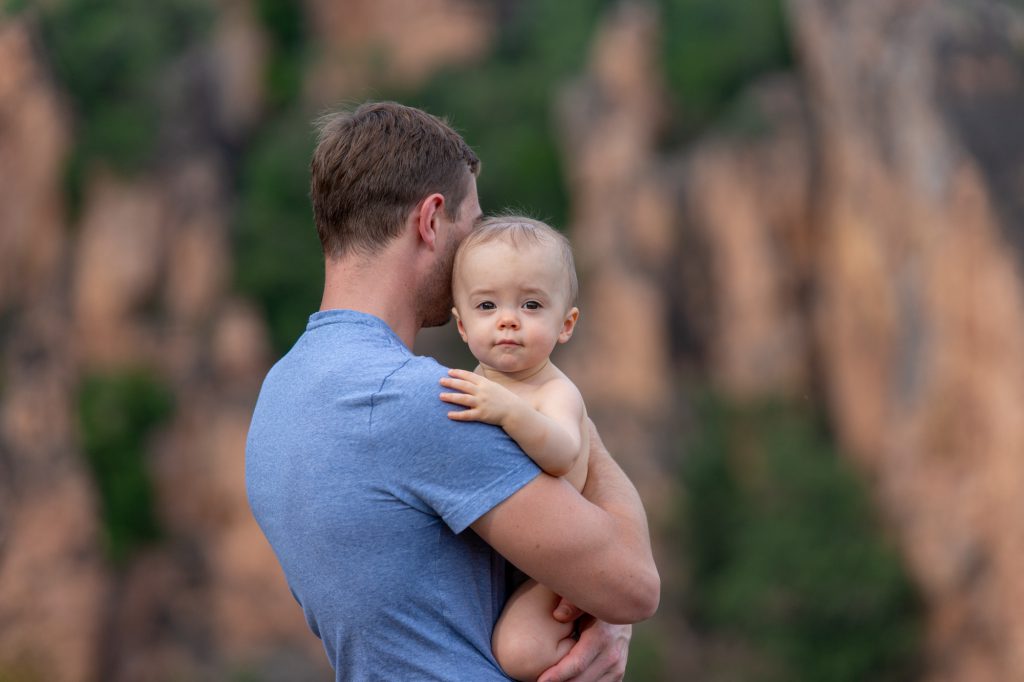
(457, 471)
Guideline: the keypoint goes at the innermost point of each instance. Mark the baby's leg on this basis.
(527, 640)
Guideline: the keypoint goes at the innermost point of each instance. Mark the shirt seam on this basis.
(468, 507)
(373, 398)
(365, 320)
(328, 321)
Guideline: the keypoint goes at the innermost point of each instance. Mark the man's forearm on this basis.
(609, 488)
(593, 549)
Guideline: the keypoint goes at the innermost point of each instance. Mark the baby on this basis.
(514, 286)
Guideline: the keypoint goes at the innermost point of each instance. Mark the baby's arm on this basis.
(550, 437)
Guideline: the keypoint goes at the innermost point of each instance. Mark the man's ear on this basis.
(568, 324)
(459, 325)
(428, 213)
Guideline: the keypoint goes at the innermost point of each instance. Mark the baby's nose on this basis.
(508, 320)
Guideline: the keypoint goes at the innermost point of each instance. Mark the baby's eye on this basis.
(532, 305)
(485, 305)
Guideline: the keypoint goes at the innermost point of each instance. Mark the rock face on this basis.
(369, 43)
(920, 311)
(140, 281)
(116, 270)
(622, 231)
(52, 576)
(864, 244)
(747, 237)
(32, 147)
(694, 262)
(864, 240)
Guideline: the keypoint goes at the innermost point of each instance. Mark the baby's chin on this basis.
(512, 365)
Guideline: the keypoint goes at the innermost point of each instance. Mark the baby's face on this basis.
(511, 304)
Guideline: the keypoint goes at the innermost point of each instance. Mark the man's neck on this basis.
(380, 285)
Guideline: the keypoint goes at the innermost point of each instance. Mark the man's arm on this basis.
(593, 548)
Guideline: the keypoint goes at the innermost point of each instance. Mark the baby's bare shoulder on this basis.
(560, 389)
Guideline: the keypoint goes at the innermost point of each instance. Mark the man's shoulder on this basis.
(417, 374)
(412, 390)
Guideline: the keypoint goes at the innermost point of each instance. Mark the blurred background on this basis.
(799, 228)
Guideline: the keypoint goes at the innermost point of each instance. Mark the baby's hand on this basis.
(486, 400)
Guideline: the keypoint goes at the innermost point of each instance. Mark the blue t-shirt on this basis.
(365, 490)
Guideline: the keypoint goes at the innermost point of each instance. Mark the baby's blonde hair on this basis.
(513, 229)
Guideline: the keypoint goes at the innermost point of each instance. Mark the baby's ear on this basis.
(569, 324)
(458, 324)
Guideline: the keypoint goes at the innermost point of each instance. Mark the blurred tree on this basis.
(11, 8)
(503, 105)
(109, 58)
(277, 253)
(712, 49)
(285, 25)
(646, 651)
(117, 414)
(785, 554)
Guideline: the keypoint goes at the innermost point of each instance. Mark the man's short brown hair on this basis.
(373, 165)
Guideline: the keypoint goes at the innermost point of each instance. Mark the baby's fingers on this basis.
(459, 399)
(471, 377)
(457, 384)
(464, 415)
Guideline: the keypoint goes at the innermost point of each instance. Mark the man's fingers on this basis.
(576, 662)
(599, 655)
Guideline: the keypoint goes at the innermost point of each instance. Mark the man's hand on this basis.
(599, 655)
(486, 400)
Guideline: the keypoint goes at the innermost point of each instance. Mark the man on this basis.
(388, 518)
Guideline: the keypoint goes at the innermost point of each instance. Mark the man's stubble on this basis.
(436, 300)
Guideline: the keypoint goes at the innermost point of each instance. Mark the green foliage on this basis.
(19, 672)
(521, 167)
(711, 49)
(110, 57)
(745, 119)
(645, 661)
(10, 8)
(278, 257)
(284, 22)
(503, 105)
(785, 554)
(117, 413)
(244, 674)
